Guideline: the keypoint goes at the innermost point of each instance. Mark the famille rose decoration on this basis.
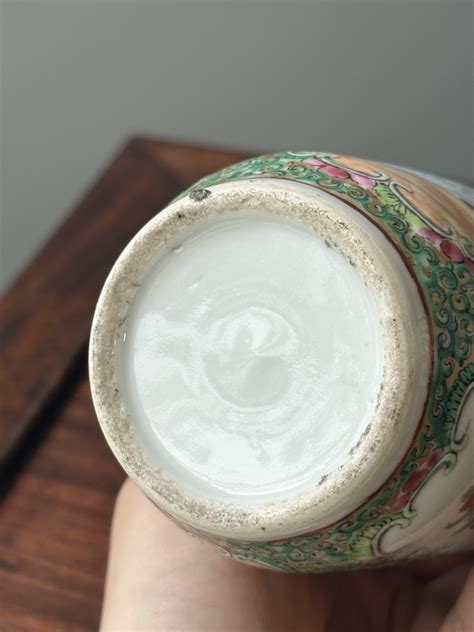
(281, 359)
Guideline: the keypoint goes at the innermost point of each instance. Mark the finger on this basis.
(436, 598)
(427, 570)
(461, 616)
(159, 578)
(149, 569)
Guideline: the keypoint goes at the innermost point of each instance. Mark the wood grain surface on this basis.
(59, 479)
(45, 317)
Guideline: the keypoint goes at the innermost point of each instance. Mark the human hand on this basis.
(160, 579)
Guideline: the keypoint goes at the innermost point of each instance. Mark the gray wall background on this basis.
(387, 79)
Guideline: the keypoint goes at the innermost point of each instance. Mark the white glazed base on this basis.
(252, 358)
(286, 503)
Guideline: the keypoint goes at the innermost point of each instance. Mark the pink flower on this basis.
(431, 236)
(452, 251)
(433, 458)
(469, 263)
(401, 501)
(410, 486)
(364, 181)
(415, 480)
(448, 247)
(334, 172)
(338, 172)
(314, 162)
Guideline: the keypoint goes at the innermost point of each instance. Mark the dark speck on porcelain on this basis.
(199, 194)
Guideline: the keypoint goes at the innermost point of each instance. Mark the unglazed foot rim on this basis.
(406, 370)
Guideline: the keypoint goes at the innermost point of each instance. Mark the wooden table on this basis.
(58, 478)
